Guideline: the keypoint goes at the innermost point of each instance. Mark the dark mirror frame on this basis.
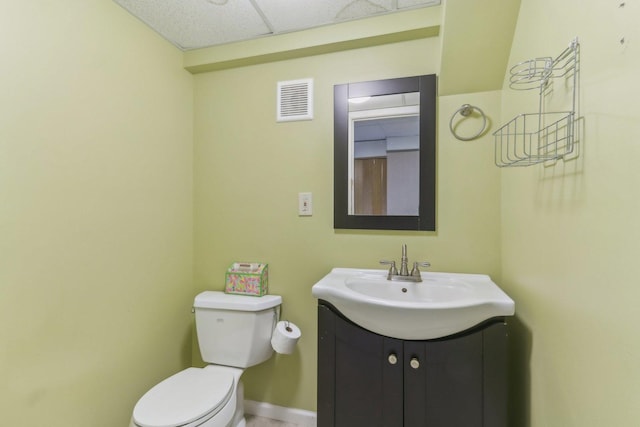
(426, 219)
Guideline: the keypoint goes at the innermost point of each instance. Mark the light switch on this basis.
(305, 204)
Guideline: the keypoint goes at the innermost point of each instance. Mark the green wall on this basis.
(570, 232)
(96, 213)
(127, 185)
(249, 170)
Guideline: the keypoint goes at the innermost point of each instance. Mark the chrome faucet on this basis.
(404, 274)
(404, 271)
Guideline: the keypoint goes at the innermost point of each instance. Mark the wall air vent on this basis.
(295, 100)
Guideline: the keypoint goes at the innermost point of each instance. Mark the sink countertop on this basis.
(442, 304)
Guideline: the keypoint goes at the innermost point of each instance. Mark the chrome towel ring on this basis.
(465, 111)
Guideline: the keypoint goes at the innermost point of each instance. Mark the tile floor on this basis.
(253, 421)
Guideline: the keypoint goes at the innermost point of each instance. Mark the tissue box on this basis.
(247, 279)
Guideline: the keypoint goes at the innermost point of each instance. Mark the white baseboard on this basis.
(289, 415)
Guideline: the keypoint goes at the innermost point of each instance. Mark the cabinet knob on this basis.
(415, 363)
(393, 359)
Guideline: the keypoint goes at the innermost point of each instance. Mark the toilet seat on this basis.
(187, 398)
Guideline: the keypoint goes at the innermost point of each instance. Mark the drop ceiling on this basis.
(195, 24)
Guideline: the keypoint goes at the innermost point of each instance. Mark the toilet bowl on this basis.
(234, 332)
(195, 397)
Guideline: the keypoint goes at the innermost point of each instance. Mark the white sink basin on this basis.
(442, 304)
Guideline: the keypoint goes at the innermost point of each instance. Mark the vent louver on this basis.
(295, 100)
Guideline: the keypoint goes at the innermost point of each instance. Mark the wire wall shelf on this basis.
(545, 136)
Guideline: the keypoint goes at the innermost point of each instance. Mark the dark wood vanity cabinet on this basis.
(369, 380)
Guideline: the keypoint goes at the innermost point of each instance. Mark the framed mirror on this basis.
(385, 154)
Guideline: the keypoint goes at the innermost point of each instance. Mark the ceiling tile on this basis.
(287, 15)
(191, 24)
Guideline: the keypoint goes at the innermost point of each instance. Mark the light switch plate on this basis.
(305, 204)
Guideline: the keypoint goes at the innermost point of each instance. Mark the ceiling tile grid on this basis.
(193, 24)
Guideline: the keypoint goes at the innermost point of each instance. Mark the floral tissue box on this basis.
(246, 278)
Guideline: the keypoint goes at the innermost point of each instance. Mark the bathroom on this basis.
(128, 185)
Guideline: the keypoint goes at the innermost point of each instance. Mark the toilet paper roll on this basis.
(285, 337)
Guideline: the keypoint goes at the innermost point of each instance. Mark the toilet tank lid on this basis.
(220, 300)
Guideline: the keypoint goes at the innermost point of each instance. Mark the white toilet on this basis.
(234, 333)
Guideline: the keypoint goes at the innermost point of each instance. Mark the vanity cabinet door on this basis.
(443, 382)
(359, 376)
(459, 381)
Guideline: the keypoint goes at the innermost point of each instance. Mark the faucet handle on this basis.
(393, 271)
(415, 271)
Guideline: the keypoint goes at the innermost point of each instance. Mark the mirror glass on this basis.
(385, 154)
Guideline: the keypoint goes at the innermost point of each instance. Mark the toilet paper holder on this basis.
(287, 326)
(285, 337)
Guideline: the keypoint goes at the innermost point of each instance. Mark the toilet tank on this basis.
(235, 330)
